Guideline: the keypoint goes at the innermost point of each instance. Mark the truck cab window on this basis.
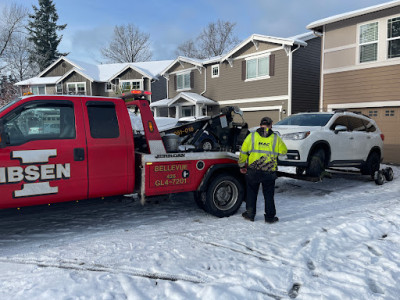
(41, 120)
(103, 120)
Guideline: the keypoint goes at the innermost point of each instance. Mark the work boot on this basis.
(247, 217)
(271, 220)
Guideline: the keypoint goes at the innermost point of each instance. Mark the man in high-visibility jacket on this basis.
(258, 160)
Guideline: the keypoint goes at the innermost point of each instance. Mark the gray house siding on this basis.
(197, 81)
(230, 86)
(75, 77)
(159, 89)
(59, 69)
(306, 77)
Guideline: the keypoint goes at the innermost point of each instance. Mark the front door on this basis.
(43, 159)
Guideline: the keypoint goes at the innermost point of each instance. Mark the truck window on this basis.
(40, 120)
(103, 120)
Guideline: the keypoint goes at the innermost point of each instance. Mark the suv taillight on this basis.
(382, 137)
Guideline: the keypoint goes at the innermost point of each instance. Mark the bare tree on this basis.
(187, 49)
(17, 58)
(129, 44)
(214, 40)
(12, 21)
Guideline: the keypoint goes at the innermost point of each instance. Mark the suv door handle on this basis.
(79, 154)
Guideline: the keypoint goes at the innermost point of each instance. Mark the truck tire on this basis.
(317, 163)
(200, 199)
(207, 145)
(224, 195)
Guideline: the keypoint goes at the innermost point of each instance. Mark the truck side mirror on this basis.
(339, 128)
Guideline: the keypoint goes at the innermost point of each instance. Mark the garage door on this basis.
(388, 120)
(253, 118)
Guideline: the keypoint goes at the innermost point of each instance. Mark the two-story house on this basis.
(67, 76)
(263, 75)
(360, 58)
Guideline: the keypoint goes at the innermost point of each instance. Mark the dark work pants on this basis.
(253, 180)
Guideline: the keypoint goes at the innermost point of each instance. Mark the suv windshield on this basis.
(306, 120)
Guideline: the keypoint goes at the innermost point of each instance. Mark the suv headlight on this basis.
(296, 135)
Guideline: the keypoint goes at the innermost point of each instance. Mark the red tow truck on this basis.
(65, 148)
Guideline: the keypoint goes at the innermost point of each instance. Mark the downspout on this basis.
(199, 109)
(321, 87)
(290, 80)
(205, 81)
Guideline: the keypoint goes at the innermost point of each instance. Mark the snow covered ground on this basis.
(336, 239)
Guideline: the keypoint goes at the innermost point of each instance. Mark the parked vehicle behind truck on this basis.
(92, 154)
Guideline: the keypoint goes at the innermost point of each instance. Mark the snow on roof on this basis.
(352, 14)
(102, 72)
(160, 103)
(39, 80)
(265, 38)
(194, 98)
(303, 36)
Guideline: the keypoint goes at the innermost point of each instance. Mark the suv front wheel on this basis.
(372, 164)
(317, 163)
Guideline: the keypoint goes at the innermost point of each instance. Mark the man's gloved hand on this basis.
(243, 170)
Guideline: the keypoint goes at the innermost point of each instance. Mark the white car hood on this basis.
(285, 129)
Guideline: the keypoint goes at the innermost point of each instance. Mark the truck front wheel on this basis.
(224, 196)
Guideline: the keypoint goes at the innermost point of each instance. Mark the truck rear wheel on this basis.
(224, 196)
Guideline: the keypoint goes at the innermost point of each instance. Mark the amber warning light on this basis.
(135, 94)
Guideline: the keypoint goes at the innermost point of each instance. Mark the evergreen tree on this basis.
(43, 29)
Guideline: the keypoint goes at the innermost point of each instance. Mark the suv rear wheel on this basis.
(317, 163)
(372, 164)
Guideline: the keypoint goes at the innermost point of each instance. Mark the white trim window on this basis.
(393, 35)
(183, 81)
(128, 85)
(59, 88)
(76, 88)
(108, 87)
(214, 71)
(368, 42)
(257, 68)
(38, 89)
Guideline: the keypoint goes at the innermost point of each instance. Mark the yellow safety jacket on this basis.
(260, 151)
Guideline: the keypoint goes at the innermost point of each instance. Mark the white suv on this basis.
(316, 141)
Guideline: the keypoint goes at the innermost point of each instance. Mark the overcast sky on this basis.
(90, 23)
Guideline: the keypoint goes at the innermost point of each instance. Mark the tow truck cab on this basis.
(83, 147)
(87, 153)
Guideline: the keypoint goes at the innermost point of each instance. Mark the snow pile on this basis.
(336, 239)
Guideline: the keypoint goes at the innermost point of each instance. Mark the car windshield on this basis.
(306, 120)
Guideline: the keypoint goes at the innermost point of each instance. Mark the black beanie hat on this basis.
(266, 121)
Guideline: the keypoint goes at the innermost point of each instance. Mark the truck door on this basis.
(43, 153)
(107, 147)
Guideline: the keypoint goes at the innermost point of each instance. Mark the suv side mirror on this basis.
(339, 128)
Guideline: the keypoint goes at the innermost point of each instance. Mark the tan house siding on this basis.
(229, 85)
(367, 85)
(59, 69)
(341, 58)
(339, 36)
